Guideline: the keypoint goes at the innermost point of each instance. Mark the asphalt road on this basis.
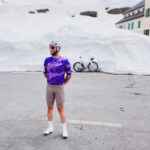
(104, 112)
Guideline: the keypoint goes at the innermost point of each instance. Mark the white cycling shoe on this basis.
(65, 134)
(48, 131)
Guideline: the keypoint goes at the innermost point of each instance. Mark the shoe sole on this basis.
(45, 134)
(64, 137)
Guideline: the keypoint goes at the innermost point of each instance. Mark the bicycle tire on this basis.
(95, 66)
(78, 67)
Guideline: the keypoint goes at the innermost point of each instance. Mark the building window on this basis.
(146, 32)
(138, 11)
(147, 12)
(128, 26)
(139, 24)
(132, 27)
(143, 9)
(121, 27)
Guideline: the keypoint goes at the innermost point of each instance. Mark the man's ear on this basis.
(58, 48)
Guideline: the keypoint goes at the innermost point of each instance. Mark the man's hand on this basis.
(45, 74)
(67, 78)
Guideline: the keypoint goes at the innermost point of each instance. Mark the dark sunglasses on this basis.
(52, 47)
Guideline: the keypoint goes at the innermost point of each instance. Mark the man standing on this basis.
(55, 68)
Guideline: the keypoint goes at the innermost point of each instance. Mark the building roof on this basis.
(141, 14)
(139, 5)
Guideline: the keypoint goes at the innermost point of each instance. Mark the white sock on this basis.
(50, 124)
(64, 126)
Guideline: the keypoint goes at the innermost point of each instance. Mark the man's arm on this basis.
(45, 68)
(68, 77)
(45, 75)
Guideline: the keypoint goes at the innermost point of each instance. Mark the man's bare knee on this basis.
(60, 109)
(50, 108)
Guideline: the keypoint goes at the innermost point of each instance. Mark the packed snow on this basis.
(24, 38)
(33, 2)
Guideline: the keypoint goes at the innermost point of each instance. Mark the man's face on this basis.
(53, 49)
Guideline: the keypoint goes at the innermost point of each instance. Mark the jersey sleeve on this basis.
(45, 67)
(67, 67)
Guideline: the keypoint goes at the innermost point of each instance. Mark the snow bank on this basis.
(22, 2)
(24, 40)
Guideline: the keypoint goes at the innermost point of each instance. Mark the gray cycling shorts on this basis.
(55, 92)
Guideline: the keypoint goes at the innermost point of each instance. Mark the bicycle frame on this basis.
(82, 63)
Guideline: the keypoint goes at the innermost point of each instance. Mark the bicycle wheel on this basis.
(93, 66)
(77, 67)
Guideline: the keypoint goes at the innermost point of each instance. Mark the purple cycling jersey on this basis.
(55, 68)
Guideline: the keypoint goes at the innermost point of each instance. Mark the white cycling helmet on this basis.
(54, 44)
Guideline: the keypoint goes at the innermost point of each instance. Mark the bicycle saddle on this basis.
(92, 58)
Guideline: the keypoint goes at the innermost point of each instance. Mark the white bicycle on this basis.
(80, 66)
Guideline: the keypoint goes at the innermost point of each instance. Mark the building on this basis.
(137, 18)
(1, 1)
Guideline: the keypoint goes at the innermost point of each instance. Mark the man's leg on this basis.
(50, 96)
(50, 120)
(60, 102)
(63, 121)
(60, 108)
(50, 112)
(62, 114)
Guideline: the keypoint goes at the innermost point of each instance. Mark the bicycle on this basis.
(79, 66)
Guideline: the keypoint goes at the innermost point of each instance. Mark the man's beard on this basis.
(55, 53)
